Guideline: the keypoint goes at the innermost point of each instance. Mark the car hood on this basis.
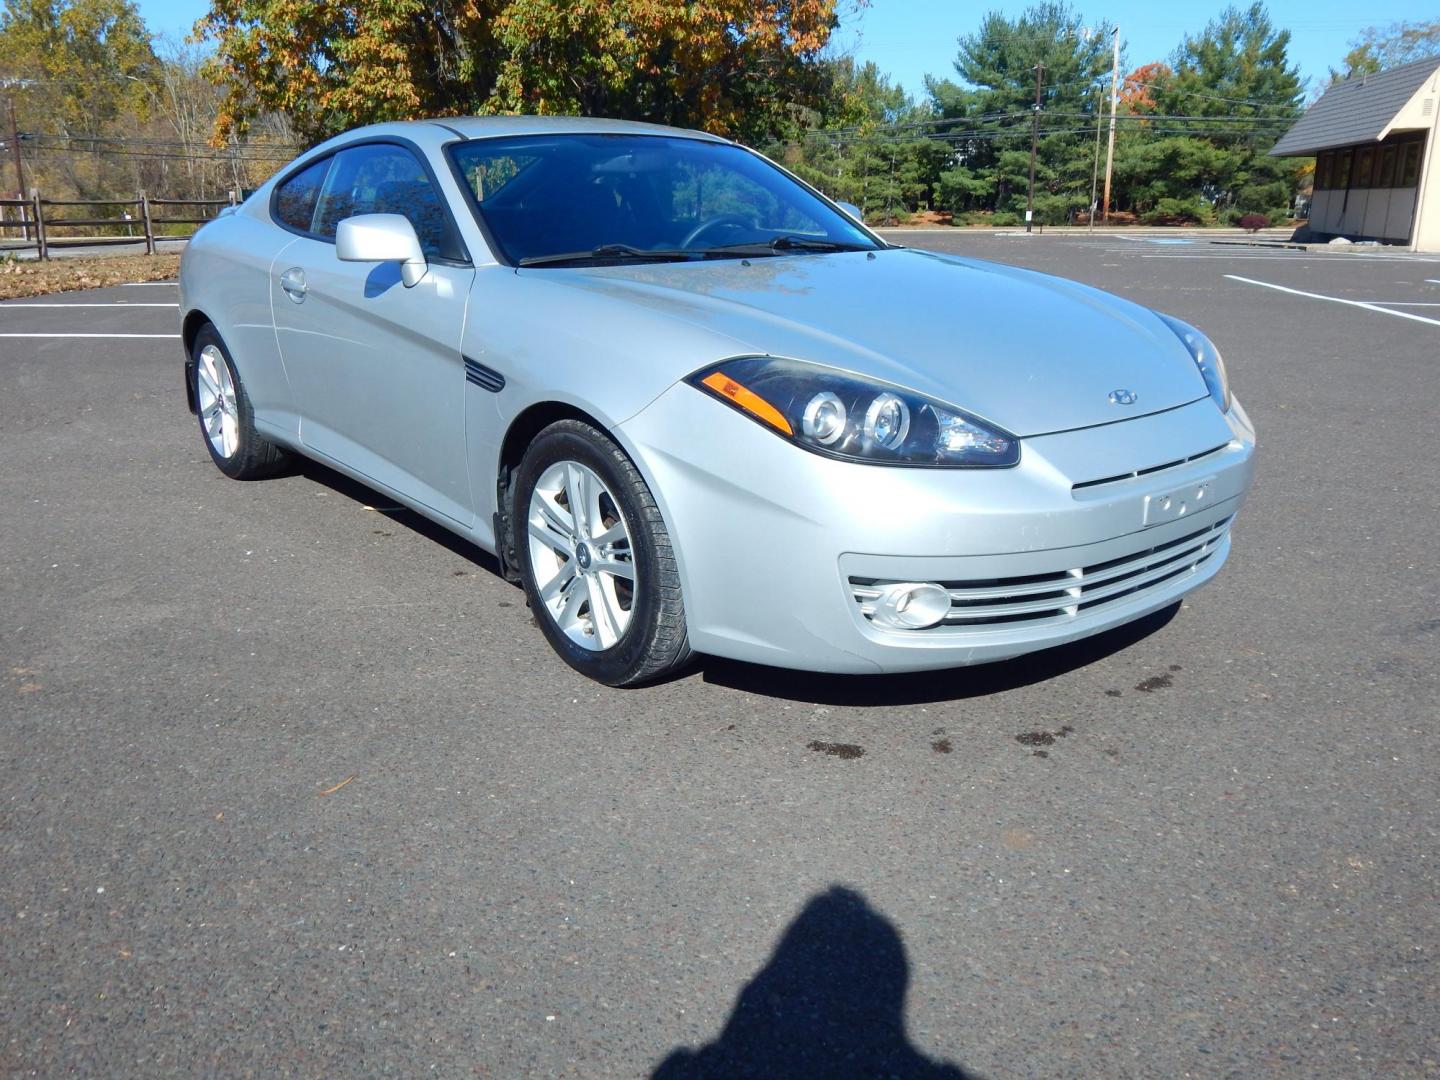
(1031, 353)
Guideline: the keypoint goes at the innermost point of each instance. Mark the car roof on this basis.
(437, 131)
(485, 127)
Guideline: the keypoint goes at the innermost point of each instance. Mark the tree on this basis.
(994, 108)
(1379, 48)
(729, 66)
(77, 70)
(104, 109)
(1137, 89)
(1231, 87)
(866, 143)
(89, 60)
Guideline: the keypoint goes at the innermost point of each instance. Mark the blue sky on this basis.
(910, 38)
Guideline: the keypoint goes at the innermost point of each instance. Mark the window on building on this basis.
(1342, 169)
(1364, 163)
(1323, 163)
(1386, 176)
(1409, 170)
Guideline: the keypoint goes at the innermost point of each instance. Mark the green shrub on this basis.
(1191, 211)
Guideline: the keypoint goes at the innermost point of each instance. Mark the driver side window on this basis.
(379, 178)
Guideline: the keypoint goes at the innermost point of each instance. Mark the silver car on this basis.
(691, 404)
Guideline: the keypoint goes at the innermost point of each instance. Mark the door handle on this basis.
(293, 282)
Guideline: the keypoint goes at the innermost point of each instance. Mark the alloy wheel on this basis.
(215, 393)
(581, 555)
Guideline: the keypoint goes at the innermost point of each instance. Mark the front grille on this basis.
(1061, 594)
(1118, 478)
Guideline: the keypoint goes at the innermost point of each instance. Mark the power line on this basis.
(1166, 89)
(821, 133)
(953, 139)
(130, 140)
(164, 156)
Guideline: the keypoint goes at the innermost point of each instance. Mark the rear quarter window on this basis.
(295, 199)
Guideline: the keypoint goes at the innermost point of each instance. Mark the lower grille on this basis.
(1061, 594)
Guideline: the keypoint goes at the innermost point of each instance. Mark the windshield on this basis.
(570, 199)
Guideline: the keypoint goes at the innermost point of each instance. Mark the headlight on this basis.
(1207, 359)
(855, 418)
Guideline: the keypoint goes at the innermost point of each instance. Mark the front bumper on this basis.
(780, 549)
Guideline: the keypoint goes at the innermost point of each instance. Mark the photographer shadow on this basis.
(829, 1003)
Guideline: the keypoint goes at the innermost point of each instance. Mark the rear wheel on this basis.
(227, 421)
(595, 558)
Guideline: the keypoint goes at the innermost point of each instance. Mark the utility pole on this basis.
(19, 167)
(1095, 167)
(1114, 105)
(1034, 143)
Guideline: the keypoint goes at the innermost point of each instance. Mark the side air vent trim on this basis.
(486, 378)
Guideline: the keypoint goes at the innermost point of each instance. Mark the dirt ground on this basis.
(36, 278)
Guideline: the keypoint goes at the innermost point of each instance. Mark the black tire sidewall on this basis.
(580, 443)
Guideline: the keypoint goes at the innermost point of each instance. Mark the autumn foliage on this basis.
(734, 67)
(1137, 90)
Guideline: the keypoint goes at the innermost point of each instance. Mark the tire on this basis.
(227, 422)
(620, 619)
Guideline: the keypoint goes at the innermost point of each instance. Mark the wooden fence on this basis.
(42, 225)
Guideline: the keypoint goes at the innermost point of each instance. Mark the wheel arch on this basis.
(532, 420)
(195, 320)
(522, 431)
(520, 434)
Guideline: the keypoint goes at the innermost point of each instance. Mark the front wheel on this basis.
(227, 421)
(595, 558)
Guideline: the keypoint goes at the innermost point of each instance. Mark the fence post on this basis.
(41, 246)
(233, 199)
(21, 216)
(149, 230)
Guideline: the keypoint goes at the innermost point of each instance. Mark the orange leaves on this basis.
(1137, 91)
(729, 66)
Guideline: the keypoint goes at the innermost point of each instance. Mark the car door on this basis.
(375, 367)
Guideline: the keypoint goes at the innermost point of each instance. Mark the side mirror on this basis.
(852, 210)
(382, 238)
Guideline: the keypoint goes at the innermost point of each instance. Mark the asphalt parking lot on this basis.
(290, 785)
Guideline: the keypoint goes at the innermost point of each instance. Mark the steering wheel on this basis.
(700, 230)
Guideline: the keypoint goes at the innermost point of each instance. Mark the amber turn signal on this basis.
(748, 400)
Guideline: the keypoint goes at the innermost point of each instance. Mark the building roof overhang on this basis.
(1366, 109)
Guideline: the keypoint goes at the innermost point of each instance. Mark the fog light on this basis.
(909, 605)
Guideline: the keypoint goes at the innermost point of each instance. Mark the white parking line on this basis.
(89, 335)
(1336, 258)
(1279, 255)
(1334, 299)
(1167, 240)
(112, 304)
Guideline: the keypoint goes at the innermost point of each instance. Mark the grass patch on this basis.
(31, 277)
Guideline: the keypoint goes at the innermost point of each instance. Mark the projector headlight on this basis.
(855, 418)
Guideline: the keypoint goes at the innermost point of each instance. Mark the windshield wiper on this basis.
(607, 252)
(630, 253)
(789, 242)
